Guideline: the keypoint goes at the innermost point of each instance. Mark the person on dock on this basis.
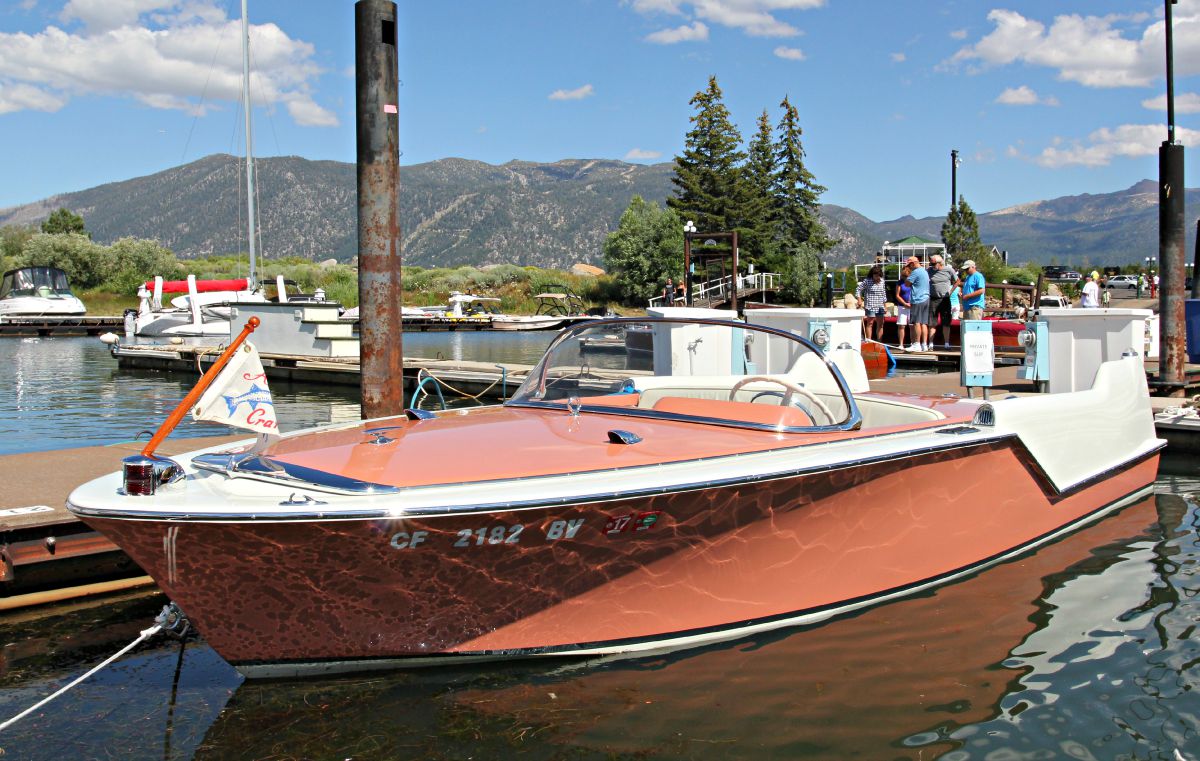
(973, 286)
(942, 279)
(903, 303)
(668, 292)
(872, 295)
(1090, 297)
(918, 316)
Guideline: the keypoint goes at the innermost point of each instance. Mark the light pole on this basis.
(689, 229)
(954, 162)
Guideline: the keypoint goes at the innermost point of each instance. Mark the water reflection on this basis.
(1081, 650)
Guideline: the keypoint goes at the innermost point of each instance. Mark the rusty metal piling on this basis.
(379, 285)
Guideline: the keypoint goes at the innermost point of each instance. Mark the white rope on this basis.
(145, 635)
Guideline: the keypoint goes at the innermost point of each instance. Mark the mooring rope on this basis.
(145, 635)
(459, 391)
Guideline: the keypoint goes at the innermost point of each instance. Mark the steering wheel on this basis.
(793, 389)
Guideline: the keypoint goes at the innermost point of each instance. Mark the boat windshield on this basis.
(44, 282)
(710, 371)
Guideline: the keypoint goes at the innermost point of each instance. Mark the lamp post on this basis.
(954, 162)
(689, 229)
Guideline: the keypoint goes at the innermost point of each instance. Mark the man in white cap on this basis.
(973, 286)
(1091, 291)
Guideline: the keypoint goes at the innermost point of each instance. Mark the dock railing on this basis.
(719, 290)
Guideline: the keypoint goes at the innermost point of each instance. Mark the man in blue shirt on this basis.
(973, 285)
(919, 311)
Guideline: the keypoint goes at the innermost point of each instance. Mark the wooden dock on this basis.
(26, 327)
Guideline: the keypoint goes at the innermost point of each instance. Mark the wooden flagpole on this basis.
(198, 390)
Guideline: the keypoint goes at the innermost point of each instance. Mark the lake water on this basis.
(1085, 649)
(68, 392)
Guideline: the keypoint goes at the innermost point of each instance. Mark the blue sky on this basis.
(1041, 99)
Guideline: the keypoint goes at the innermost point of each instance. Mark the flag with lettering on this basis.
(239, 395)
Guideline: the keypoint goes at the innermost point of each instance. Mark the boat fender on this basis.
(110, 338)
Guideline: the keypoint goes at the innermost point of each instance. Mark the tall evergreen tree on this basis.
(759, 201)
(960, 233)
(64, 221)
(708, 174)
(800, 237)
(797, 194)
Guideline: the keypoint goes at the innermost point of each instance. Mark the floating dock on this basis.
(25, 327)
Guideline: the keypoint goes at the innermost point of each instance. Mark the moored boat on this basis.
(744, 482)
(38, 292)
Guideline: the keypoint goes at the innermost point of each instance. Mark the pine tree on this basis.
(758, 208)
(64, 221)
(797, 194)
(708, 174)
(960, 233)
(800, 238)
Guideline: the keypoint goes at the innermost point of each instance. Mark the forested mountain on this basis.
(457, 211)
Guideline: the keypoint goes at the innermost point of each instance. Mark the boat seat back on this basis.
(723, 409)
(884, 413)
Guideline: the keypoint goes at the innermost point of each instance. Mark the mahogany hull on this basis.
(668, 569)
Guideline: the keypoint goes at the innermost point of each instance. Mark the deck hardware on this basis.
(378, 433)
(574, 405)
(415, 414)
(985, 415)
(302, 499)
(958, 430)
(618, 436)
(51, 544)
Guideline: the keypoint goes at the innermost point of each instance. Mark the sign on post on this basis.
(978, 360)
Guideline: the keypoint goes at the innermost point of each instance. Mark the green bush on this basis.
(87, 264)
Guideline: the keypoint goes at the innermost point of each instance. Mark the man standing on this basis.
(973, 286)
(1091, 292)
(919, 311)
(941, 284)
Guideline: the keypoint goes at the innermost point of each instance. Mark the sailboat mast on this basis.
(249, 140)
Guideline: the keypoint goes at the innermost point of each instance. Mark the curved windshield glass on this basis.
(34, 281)
(710, 371)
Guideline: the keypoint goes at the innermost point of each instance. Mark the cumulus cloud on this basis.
(1094, 51)
(1024, 96)
(171, 54)
(1185, 103)
(1106, 144)
(694, 32)
(638, 154)
(22, 97)
(789, 54)
(753, 17)
(579, 93)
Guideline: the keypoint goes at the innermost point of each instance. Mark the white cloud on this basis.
(22, 97)
(1185, 103)
(638, 154)
(754, 17)
(163, 60)
(789, 54)
(958, 34)
(693, 32)
(1024, 96)
(1106, 144)
(579, 93)
(1093, 51)
(898, 58)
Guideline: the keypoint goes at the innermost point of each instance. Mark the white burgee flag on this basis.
(239, 395)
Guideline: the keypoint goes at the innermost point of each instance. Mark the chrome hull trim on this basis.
(492, 507)
(680, 641)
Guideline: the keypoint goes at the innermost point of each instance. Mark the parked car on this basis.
(1053, 302)
(1123, 281)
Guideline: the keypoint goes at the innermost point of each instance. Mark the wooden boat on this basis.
(744, 482)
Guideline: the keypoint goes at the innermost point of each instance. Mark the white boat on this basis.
(555, 310)
(38, 292)
(742, 482)
(203, 309)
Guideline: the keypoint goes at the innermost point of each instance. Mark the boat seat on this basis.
(723, 409)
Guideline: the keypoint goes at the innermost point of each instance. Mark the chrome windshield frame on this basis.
(852, 422)
(260, 467)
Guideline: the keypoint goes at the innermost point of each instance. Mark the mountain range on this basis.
(457, 211)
